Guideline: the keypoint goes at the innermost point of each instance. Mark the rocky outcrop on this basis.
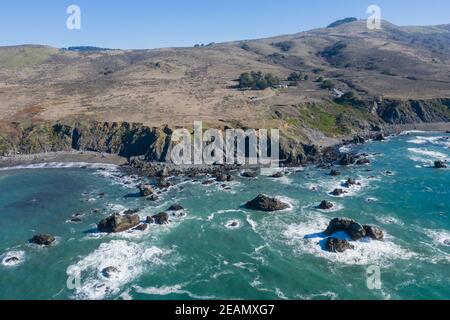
(355, 230)
(43, 239)
(347, 160)
(325, 205)
(118, 223)
(160, 218)
(374, 233)
(337, 245)
(265, 203)
(146, 190)
(175, 207)
(440, 165)
(338, 192)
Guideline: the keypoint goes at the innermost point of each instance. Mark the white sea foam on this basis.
(421, 140)
(61, 165)
(170, 290)
(428, 153)
(389, 220)
(129, 260)
(19, 255)
(307, 238)
(439, 237)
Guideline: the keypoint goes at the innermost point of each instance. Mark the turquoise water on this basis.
(267, 256)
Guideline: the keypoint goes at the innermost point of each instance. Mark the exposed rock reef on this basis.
(265, 203)
(118, 223)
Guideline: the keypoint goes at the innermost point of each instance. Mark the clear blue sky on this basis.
(166, 23)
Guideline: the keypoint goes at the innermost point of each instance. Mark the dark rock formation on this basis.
(362, 161)
(162, 183)
(355, 230)
(160, 218)
(118, 223)
(249, 174)
(335, 173)
(374, 233)
(175, 207)
(337, 245)
(440, 164)
(325, 205)
(145, 190)
(265, 203)
(109, 272)
(338, 192)
(43, 239)
(358, 140)
(277, 175)
(347, 160)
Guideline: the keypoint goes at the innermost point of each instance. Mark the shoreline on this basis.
(152, 168)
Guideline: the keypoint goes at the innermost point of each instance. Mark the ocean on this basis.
(219, 250)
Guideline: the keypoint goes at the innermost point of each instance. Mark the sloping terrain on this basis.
(395, 75)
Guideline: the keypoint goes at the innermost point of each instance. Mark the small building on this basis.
(338, 93)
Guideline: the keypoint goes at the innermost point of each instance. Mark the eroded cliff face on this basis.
(154, 144)
(124, 139)
(414, 111)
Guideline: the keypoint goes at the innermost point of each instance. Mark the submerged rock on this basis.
(76, 220)
(265, 203)
(221, 178)
(118, 223)
(335, 173)
(374, 233)
(362, 162)
(326, 205)
(350, 182)
(249, 174)
(153, 197)
(337, 245)
(141, 227)
(347, 160)
(109, 272)
(208, 182)
(440, 164)
(11, 260)
(43, 239)
(145, 190)
(355, 230)
(277, 175)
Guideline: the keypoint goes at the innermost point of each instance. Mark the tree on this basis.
(327, 84)
(246, 81)
(295, 76)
